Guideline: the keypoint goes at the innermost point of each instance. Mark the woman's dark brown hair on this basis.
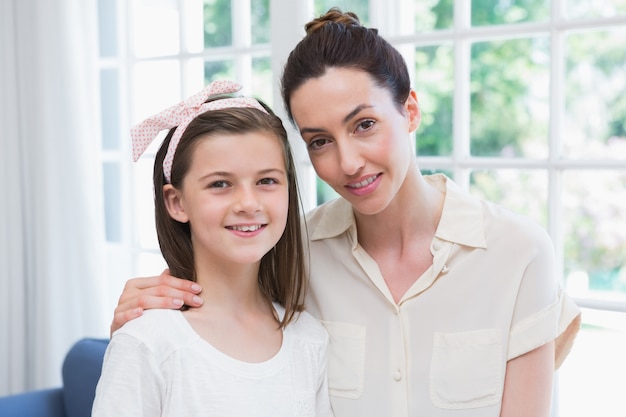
(281, 273)
(337, 40)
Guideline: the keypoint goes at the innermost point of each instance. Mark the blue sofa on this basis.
(80, 372)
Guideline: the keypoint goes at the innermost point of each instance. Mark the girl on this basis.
(227, 220)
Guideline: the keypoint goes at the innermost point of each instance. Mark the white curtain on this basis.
(51, 217)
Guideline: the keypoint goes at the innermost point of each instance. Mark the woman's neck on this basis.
(413, 214)
(399, 238)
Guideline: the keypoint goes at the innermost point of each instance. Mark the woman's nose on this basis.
(350, 158)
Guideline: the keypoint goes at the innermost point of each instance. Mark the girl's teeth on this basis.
(247, 228)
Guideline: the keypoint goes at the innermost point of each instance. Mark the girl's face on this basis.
(235, 197)
(357, 138)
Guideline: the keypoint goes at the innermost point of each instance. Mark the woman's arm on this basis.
(163, 291)
(528, 384)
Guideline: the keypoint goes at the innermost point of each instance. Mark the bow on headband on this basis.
(181, 114)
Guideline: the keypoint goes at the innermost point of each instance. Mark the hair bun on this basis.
(333, 15)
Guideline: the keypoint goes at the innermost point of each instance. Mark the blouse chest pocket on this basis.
(467, 369)
(346, 359)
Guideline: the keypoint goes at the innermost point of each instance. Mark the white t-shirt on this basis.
(157, 365)
(490, 295)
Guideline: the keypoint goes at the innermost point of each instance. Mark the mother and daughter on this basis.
(433, 303)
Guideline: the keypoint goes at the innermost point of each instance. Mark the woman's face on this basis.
(357, 138)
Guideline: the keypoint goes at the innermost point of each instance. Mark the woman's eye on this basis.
(365, 125)
(318, 143)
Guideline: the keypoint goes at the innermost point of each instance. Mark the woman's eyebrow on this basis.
(354, 112)
(345, 120)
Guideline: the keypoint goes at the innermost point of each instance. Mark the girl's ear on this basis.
(174, 203)
(413, 110)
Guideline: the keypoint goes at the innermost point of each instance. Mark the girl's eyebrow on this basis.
(345, 120)
(230, 174)
(271, 171)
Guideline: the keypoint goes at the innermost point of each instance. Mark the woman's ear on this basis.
(413, 110)
(174, 203)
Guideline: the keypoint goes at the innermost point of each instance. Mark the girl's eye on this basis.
(268, 181)
(365, 125)
(318, 143)
(218, 184)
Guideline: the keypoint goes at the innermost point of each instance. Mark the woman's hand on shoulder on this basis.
(162, 291)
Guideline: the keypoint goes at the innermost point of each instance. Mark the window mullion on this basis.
(461, 99)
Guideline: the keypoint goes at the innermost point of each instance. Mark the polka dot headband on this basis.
(181, 114)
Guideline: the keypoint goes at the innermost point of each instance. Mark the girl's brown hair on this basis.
(282, 272)
(338, 40)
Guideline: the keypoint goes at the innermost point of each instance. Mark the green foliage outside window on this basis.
(494, 12)
(217, 23)
(260, 21)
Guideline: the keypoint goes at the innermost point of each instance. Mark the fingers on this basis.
(145, 292)
(122, 316)
(163, 291)
(165, 279)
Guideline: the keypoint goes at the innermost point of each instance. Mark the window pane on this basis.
(595, 233)
(112, 201)
(218, 70)
(194, 76)
(595, 8)
(155, 27)
(156, 86)
(433, 14)
(495, 12)
(109, 108)
(523, 191)
(509, 98)
(595, 102)
(360, 7)
(592, 378)
(107, 27)
(434, 83)
(324, 192)
(262, 85)
(217, 23)
(260, 21)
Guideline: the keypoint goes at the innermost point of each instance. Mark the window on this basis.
(523, 102)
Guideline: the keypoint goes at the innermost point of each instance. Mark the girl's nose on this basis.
(247, 200)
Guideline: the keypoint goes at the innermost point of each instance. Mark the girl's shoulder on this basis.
(305, 327)
(160, 330)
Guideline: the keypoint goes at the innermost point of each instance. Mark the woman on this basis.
(436, 303)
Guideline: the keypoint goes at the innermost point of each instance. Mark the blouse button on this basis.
(397, 375)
